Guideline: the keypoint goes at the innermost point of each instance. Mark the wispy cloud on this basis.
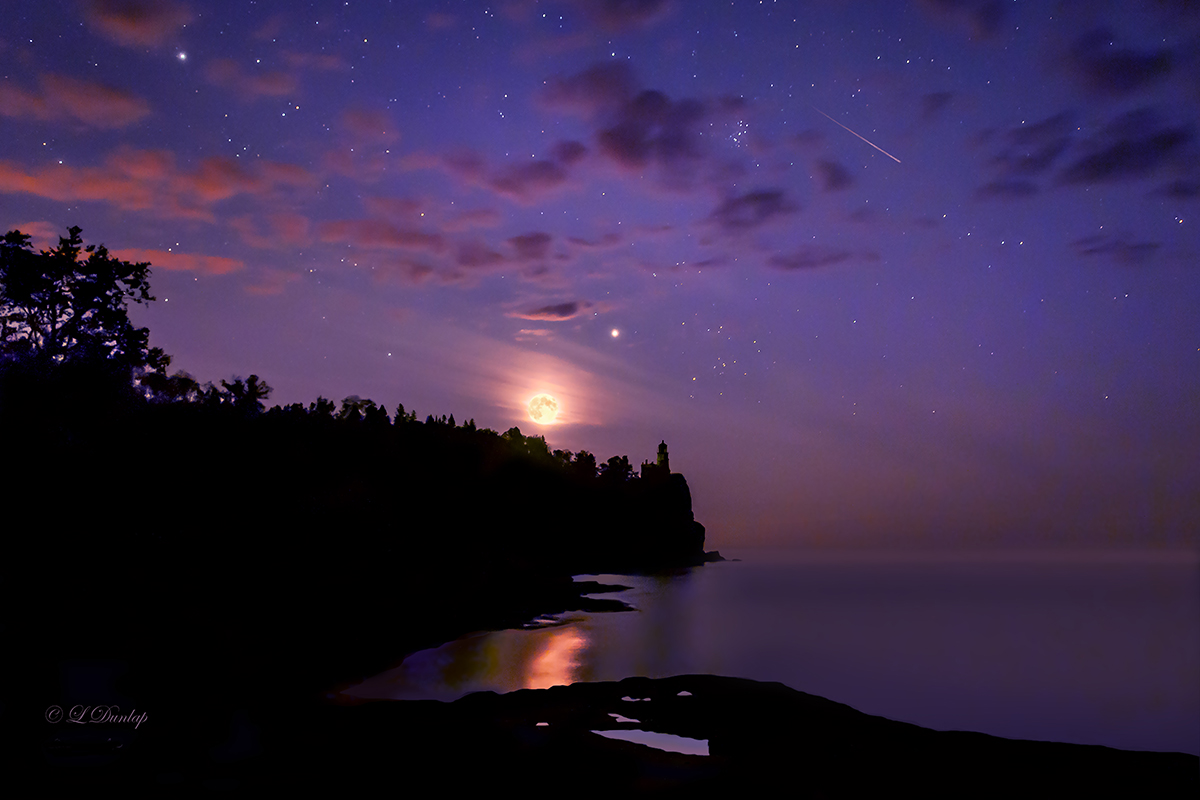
(151, 181)
(556, 312)
(833, 176)
(751, 210)
(1107, 69)
(137, 23)
(1119, 248)
(619, 16)
(190, 262)
(250, 85)
(1133, 145)
(809, 257)
(90, 104)
(980, 19)
(372, 233)
(531, 246)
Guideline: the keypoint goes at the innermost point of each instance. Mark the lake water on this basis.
(1086, 649)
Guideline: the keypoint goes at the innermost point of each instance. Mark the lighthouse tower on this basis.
(661, 468)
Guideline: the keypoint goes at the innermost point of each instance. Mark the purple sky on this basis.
(981, 327)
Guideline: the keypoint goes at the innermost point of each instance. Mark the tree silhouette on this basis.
(246, 395)
(322, 407)
(584, 465)
(617, 469)
(60, 304)
(179, 388)
(354, 408)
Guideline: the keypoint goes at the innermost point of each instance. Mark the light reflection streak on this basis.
(501, 661)
(557, 663)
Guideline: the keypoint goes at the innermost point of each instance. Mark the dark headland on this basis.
(259, 563)
(255, 564)
(211, 572)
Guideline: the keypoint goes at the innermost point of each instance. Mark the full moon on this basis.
(543, 409)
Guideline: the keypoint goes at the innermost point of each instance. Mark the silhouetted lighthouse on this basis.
(661, 469)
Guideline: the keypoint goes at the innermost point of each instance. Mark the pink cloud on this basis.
(272, 281)
(226, 73)
(421, 160)
(378, 234)
(620, 16)
(282, 231)
(143, 180)
(59, 182)
(370, 126)
(316, 61)
(137, 23)
(439, 21)
(271, 28)
(166, 259)
(280, 173)
(527, 183)
(219, 178)
(149, 165)
(62, 99)
(398, 208)
(45, 234)
(475, 218)
(475, 254)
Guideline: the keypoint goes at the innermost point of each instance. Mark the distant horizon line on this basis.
(796, 553)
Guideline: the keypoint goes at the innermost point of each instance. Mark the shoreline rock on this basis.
(762, 737)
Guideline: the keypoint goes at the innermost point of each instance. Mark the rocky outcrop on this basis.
(765, 739)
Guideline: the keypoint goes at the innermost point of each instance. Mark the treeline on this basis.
(245, 397)
(101, 433)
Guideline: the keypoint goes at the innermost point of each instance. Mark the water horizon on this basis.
(1071, 646)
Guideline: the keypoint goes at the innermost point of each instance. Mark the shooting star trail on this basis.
(868, 141)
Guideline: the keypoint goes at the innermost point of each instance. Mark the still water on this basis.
(1087, 649)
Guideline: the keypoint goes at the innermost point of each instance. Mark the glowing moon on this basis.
(615, 333)
(543, 409)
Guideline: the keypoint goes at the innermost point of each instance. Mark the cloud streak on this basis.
(90, 104)
(189, 262)
(228, 74)
(150, 180)
(557, 312)
(137, 23)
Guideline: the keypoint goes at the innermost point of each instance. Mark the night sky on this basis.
(881, 274)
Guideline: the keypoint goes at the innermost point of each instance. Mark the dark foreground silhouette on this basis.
(188, 578)
(224, 573)
(764, 739)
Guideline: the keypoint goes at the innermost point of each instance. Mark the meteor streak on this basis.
(868, 141)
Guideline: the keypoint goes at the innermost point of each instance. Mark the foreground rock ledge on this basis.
(764, 737)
